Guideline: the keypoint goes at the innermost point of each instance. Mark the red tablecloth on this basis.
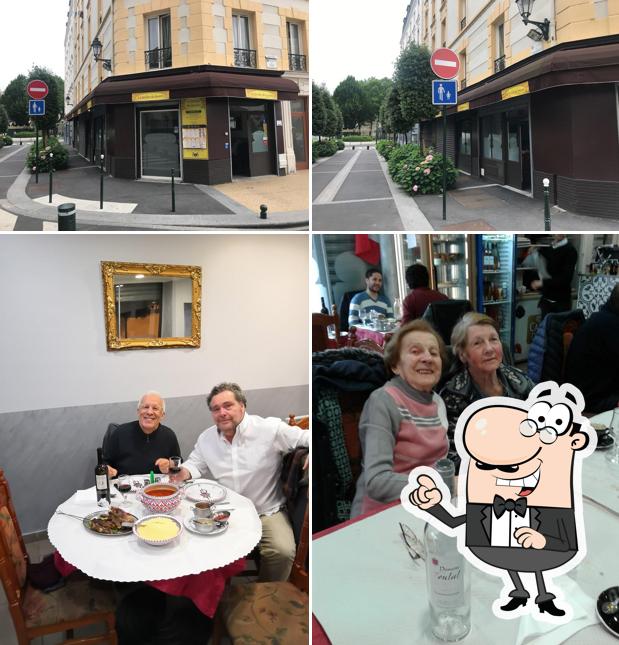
(378, 337)
(203, 589)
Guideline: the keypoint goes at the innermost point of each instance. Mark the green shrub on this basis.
(385, 147)
(60, 158)
(340, 144)
(425, 177)
(357, 137)
(325, 148)
(21, 134)
(6, 140)
(314, 155)
(401, 158)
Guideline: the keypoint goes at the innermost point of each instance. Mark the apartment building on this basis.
(535, 100)
(209, 89)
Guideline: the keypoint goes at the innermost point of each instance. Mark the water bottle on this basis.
(397, 308)
(447, 575)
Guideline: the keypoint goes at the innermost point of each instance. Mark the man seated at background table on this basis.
(420, 295)
(244, 453)
(592, 363)
(143, 445)
(369, 300)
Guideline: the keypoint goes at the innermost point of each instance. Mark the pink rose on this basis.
(415, 189)
(427, 171)
(429, 158)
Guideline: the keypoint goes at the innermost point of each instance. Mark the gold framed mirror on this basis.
(151, 305)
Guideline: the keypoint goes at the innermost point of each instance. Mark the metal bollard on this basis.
(101, 182)
(173, 195)
(50, 159)
(353, 147)
(263, 211)
(66, 217)
(547, 222)
(36, 174)
(368, 147)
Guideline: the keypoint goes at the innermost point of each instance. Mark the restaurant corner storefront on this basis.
(554, 115)
(207, 124)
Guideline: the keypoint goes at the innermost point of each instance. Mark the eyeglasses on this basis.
(413, 544)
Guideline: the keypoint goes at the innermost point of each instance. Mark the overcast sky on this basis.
(32, 34)
(354, 37)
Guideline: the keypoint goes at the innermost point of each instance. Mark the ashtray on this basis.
(605, 441)
(607, 608)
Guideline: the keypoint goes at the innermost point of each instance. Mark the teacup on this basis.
(202, 510)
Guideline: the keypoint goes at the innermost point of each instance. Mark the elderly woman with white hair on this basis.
(140, 446)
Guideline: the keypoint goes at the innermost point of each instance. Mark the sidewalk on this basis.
(146, 204)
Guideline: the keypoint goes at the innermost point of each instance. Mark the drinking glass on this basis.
(123, 486)
(174, 467)
(613, 454)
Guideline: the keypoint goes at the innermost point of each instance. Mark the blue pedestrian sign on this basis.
(36, 107)
(444, 93)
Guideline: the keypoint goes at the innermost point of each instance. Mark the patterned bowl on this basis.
(160, 498)
(157, 530)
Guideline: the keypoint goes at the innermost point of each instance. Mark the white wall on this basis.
(52, 333)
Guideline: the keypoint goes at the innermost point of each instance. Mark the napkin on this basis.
(83, 501)
(536, 632)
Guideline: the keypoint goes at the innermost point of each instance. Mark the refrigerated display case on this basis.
(495, 255)
(449, 255)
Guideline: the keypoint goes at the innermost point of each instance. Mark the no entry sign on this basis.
(37, 89)
(445, 63)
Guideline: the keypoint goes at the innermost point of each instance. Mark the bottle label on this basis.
(101, 482)
(446, 576)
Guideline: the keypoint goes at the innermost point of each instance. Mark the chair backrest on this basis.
(345, 308)
(444, 314)
(301, 422)
(299, 575)
(320, 331)
(111, 429)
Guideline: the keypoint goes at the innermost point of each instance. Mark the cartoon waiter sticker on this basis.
(520, 498)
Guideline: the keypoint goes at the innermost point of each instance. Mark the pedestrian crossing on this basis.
(10, 222)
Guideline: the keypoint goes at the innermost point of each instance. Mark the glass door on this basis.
(160, 146)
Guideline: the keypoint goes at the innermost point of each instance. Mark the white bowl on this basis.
(163, 541)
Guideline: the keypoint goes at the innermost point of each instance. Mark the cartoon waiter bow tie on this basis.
(500, 505)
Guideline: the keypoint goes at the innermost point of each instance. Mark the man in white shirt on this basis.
(244, 452)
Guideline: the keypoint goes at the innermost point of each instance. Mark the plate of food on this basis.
(158, 529)
(111, 522)
(205, 491)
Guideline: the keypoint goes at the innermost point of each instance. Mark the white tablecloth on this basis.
(127, 559)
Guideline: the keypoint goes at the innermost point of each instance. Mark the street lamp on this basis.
(96, 50)
(525, 7)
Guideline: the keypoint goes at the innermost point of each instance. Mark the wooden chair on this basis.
(35, 613)
(320, 331)
(269, 612)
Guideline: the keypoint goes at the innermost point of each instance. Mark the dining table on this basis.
(367, 332)
(367, 589)
(195, 565)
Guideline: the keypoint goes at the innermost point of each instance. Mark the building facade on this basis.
(207, 89)
(535, 101)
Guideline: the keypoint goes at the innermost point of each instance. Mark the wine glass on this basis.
(613, 455)
(174, 466)
(123, 486)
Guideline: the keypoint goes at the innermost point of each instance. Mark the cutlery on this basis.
(125, 525)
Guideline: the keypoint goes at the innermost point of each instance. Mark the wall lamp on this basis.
(96, 50)
(524, 7)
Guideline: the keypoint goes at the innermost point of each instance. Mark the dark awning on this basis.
(200, 82)
(593, 61)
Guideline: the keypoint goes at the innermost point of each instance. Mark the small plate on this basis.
(190, 526)
(205, 492)
(122, 531)
(607, 609)
(605, 442)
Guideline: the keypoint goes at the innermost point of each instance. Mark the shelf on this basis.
(496, 302)
(489, 271)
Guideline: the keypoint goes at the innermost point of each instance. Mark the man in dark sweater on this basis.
(140, 446)
(556, 290)
(593, 358)
(420, 296)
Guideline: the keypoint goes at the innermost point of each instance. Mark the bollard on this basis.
(353, 147)
(21, 142)
(36, 174)
(66, 217)
(50, 160)
(547, 223)
(101, 184)
(368, 147)
(263, 211)
(173, 195)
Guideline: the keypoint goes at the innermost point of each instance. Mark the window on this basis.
(244, 56)
(296, 60)
(462, 14)
(159, 52)
(462, 69)
(492, 137)
(499, 62)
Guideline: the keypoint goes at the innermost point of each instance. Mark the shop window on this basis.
(513, 143)
(492, 137)
(297, 62)
(159, 53)
(244, 55)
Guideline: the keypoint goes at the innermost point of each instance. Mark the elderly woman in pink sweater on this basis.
(403, 423)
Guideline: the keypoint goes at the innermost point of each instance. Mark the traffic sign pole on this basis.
(36, 150)
(444, 164)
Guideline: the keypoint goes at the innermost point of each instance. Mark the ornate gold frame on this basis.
(110, 269)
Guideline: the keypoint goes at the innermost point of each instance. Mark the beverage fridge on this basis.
(495, 256)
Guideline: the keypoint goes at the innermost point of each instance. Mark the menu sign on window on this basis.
(193, 117)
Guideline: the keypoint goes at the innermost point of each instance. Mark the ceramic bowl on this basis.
(160, 503)
(156, 541)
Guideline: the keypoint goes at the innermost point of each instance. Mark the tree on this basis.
(353, 102)
(54, 101)
(332, 114)
(393, 118)
(375, 90)
(319, 111)
(15, 100)
(413, 78)
(4, 119)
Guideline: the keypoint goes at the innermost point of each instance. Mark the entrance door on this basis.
(518, 152)
(463, 143)
(160, 146)
(252, 138)
(299, 132)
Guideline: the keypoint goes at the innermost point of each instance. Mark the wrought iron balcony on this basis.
(499, 64)
(463, 23)
(462, 83)
(297, 63)
(158, 58)
(244, 57)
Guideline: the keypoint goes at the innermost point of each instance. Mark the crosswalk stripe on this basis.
(7, 221)
(50, 226)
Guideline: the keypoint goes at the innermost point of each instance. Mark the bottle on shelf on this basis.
(496, 257)
(323, 307)
(102, 481)
(447, 575)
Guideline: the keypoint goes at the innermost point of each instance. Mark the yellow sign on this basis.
(195, 154)
(464, 107)
(271, 95)
(138, 97)
(89, 104)
(515, 90)
(193, 111)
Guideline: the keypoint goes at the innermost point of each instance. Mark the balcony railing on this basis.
(297, 63)
(463, 23)
(462, 83)
(499, 64)
(158, 58)
(244, 57)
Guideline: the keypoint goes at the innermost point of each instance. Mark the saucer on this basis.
(190, 525)
(605, 442)
(607, 608)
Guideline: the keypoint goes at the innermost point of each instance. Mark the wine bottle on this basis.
(323, 307)
(102, 482)
(447, 575)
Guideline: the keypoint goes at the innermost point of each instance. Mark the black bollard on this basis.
(173, 195)
(50, 160)
(263, 211)
(66, 217)
(101, 184)
(547, 222)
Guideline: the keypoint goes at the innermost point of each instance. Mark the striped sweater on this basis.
(400, 428)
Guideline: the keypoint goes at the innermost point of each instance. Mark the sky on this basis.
(32, 34)
(360, 38)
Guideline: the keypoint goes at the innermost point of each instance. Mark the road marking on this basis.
(87, 204)
(50, 226)
(7, 176)
(371, 170)
(20, 149)
(7, 221)
(332, 188)
(371, 199)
